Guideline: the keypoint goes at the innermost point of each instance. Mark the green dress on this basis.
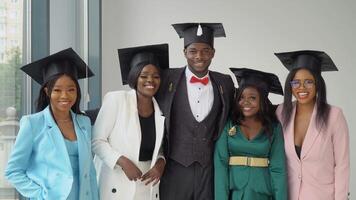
(250, 183)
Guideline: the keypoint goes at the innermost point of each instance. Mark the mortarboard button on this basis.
(199, 32)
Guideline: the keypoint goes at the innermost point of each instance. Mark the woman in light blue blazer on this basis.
(52, 156)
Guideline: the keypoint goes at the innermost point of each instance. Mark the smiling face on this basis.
(305, 90)
(63, 95)
(249, 102)
(148, 81)
(199, 56)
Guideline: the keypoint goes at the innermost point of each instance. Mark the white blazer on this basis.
(117, 132)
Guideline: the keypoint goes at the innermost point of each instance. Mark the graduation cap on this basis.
(134, 56)
(268, 82)
(199, 32)
(66, 61)
(317, 61)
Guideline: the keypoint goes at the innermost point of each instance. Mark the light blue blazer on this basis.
(39, 166)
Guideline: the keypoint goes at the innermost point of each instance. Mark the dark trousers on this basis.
(187, 183)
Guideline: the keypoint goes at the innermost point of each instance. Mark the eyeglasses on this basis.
(308, 83)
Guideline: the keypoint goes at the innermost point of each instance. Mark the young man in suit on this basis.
(196, 103)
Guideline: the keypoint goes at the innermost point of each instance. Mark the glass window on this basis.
(13, 14)
(2, 28)
(2, 45)
(11, 86)
(2, 12)
(13, 30)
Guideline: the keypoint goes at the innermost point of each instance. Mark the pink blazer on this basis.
(322, 172)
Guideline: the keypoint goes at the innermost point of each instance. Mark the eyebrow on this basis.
(193, 48)
(60, 86)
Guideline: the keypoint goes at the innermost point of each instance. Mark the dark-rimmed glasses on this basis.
(308, 83)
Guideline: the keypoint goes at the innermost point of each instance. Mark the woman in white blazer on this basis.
(128, 131)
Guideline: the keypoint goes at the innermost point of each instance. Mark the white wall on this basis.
(68, 28)
(254, 29)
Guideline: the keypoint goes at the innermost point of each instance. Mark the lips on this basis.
(302, 95)
(149, 86)
(247, 109)
(199, 63)
(64, 103)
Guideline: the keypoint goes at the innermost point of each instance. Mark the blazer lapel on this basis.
(61, 153)
(159, 124)
(83, 150)
(223, 97)
(311, 135)
(289, 136)
(173, 79)
(134, 136)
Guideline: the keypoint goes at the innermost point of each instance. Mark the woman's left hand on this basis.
(155, 173)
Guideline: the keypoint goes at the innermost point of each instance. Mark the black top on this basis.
(298, 149)
(148, 137)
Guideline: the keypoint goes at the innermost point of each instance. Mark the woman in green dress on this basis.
(249, 156)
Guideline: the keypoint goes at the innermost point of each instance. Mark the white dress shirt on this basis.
(201, 97)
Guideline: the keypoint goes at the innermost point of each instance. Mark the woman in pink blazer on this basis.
(315, 133)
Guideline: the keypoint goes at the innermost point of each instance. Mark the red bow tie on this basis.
(203, 81)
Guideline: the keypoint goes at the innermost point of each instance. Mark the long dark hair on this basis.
(323, 108)
(43, 99)
(266, 113)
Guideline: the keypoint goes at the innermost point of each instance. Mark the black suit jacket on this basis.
(169, 82)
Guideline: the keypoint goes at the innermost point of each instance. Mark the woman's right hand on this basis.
(131, 170)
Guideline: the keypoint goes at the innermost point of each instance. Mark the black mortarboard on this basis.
(199, 32)
(150, 54)
(268, 82)
(317, 61)
(66, 61)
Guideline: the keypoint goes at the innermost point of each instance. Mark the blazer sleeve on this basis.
(102, 129)
(277, 165)
(342, 157)
(19, 162)
(160, 153)
(221, 165)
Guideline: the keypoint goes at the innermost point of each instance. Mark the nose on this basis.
(302, 85)
(199, 55)
(149, 78)
(64, 94)
(244, 102)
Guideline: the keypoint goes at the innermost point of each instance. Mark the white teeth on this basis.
(247, 109)
(303, 94)
(149, 86)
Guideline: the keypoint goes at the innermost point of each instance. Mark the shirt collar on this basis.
(189, 74)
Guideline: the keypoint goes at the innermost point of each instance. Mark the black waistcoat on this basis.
(190, 140)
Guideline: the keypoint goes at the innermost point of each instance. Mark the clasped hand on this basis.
(133, 173)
